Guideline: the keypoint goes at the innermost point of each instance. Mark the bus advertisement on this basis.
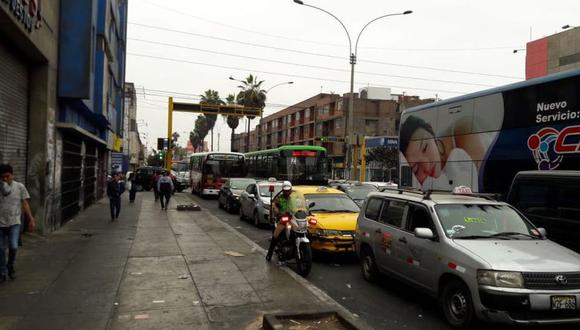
(209, 170)
(483, 139)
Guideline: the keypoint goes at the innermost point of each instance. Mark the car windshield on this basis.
(331, 203)
(483, 221)
(360, 192)
(265, 190)
(180, 167)
(240, 184)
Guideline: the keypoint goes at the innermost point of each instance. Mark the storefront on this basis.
(14, 105)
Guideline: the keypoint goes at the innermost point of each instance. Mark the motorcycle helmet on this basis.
(286, 185)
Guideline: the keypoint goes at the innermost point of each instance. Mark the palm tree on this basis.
(251, 95)
(211, 96)
(233, 121)
(199, 131)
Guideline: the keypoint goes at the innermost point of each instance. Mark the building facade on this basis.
(90, 90)
(555, 53)
(322, 118)
(132, 145)
(29, 35)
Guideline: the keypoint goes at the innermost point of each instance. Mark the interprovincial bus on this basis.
(209, 170)
(298, 164)
(483, 139)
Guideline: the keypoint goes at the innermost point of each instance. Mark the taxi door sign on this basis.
(387, 242)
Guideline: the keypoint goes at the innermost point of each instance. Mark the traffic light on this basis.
(161, 155)
(160, 143)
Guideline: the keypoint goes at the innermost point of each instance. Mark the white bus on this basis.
(209, 170)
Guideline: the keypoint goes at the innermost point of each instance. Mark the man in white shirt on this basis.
(13, 201)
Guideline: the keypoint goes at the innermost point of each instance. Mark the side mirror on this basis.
(542, 231)
(311, 205)
(252, 196)
(424, 233)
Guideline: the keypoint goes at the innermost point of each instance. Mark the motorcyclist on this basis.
(281, 204)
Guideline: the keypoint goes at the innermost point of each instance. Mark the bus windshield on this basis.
(231, 167)
(299, 169)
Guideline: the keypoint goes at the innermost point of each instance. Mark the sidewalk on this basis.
(150, 269)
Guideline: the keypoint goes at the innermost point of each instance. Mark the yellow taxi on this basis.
(336, 216)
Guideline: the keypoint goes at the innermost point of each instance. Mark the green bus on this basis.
(298, 164)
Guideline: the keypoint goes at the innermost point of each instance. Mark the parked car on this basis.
(145, 176)
(382, 186)
(230, 191)
(550, 199)
(336, 216)
(255, 202)
(480, 257)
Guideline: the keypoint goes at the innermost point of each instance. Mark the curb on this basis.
(311, 287)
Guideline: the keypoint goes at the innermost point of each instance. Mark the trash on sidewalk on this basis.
(196, 302)
(136, 274)
(348, 285)
(116, 303)
(141, 317)
(188, 207)
(159, 301)
(233, 254)
(183, 277)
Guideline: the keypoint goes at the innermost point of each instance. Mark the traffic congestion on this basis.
(474, 256)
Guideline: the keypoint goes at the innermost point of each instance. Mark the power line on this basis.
(285, 74)
(238, 28)
(342, 58)
(305, 65)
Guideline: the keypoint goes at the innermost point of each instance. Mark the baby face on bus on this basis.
(420, 148)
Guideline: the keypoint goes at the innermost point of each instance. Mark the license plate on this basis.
(563, 302)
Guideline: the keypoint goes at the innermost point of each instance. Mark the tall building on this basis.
(555, 53)
(90, 89)
(29, 36)
(132, 145)
(321, 118)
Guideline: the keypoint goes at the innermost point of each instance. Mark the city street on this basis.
(386, 305)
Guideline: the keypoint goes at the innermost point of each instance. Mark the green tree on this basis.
(251, 95)
(211, 96)
(199, 132)
(233, 121)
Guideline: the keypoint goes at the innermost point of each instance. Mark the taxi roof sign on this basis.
(462, 190)
(272, 179)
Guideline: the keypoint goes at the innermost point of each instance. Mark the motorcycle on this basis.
(293, 242)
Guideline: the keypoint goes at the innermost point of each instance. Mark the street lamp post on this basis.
(352, 57)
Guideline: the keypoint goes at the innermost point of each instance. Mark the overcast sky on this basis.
(446, 48)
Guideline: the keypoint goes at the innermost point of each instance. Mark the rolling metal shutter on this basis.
(71, 176)
(13, 111)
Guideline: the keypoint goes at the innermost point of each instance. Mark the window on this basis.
(373, 208)
(533, 199)
(393, 213)
(419, 217)
(307, 113)
(338, 123)
(568, 204)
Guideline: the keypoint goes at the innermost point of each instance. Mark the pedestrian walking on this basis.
(13, 201)
(114, 191)
(165, 188)
(156, 177)
(132, 188)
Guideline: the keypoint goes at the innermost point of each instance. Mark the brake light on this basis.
(284, 220)
(312, 221)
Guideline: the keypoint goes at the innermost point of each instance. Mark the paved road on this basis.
(387, 305)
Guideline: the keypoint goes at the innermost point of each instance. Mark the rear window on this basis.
(373, 208)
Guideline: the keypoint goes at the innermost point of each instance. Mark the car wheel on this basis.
(257, 222)
(457, 304)
(228, 205)
(368, 265)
